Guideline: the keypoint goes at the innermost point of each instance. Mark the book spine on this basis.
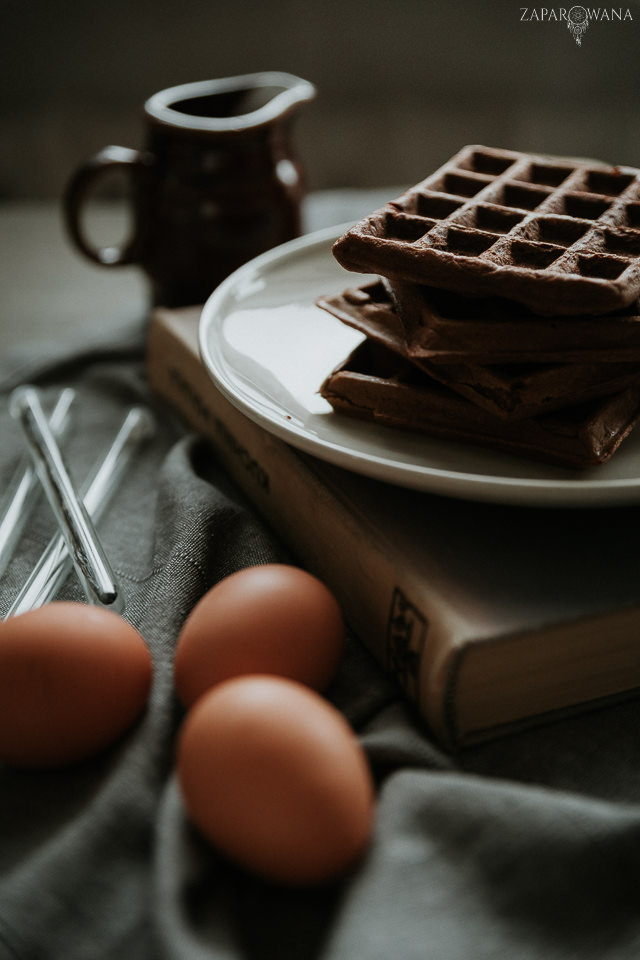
(300, 499)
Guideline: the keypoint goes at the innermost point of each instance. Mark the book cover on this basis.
(487, 616)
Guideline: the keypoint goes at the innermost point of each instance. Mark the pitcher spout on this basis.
(231, 104)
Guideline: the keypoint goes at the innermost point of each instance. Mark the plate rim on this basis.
(523, 491)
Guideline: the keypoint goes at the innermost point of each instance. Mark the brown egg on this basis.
(73, 678)
(273, 776)
(274, 619)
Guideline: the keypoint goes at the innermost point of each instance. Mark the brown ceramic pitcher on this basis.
(216, 184)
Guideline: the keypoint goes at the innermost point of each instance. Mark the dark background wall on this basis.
(402, 83)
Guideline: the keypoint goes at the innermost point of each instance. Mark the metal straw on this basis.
(24, 489)
(55, 563)
(85, 549)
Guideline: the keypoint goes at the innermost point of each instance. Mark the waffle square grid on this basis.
(557, 236)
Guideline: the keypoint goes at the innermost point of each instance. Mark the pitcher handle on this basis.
(77, 192)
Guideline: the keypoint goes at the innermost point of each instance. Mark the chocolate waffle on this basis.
(443, 326)
(377, 385)
(560, 237)
(512, 391)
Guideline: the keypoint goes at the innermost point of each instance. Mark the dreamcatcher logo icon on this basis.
(578, 21)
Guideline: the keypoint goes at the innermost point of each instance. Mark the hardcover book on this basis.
(488, 617)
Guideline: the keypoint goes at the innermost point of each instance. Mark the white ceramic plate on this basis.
(268, 348)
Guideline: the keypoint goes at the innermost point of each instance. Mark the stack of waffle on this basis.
(506, 308)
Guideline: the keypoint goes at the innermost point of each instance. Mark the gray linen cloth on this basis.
(528, 847)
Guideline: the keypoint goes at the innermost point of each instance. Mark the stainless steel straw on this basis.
(55, 563)
(85, 549)
(24, 489)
